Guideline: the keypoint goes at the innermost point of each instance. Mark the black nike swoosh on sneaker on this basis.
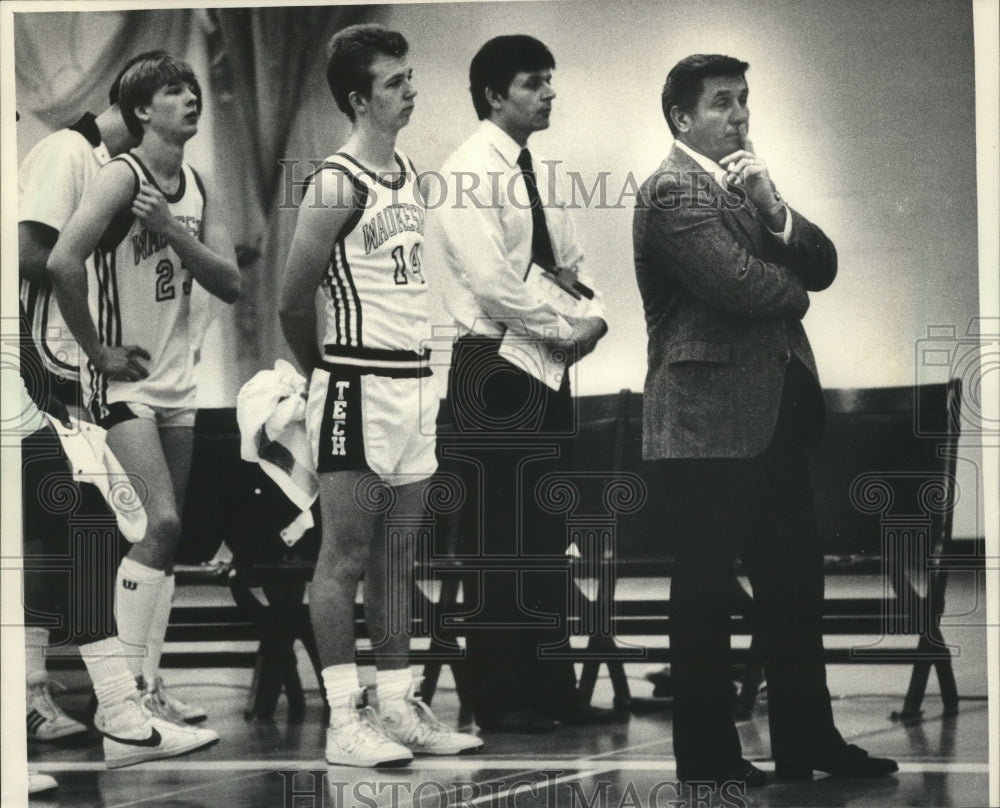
(153, 740)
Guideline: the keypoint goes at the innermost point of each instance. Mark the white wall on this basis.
(864, 112)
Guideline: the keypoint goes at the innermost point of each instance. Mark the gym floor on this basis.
(274, 764)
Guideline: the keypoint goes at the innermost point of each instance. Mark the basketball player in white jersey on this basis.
(370, 414)
(51, 181)
(153, 229)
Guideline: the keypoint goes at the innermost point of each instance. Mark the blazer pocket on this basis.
(696, 351)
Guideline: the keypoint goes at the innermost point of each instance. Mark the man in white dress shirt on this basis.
(509, 383)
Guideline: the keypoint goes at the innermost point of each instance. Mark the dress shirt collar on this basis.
(721, 174)
(87, 126)
(706, 163)
(501, 141)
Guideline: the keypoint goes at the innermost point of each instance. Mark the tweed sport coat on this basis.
(723, 301)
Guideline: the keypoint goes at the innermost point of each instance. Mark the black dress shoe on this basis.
(522, 721)
(743, 771)
(586, 715)
(849, 761)
(662, 683)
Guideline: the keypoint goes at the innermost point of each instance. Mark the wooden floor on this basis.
(943, 761)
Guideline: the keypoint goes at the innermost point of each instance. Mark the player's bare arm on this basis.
(212, 263)
(316, 232)
(108, 194)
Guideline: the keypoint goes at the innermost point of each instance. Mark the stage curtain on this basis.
(66, 61)
(263, 62)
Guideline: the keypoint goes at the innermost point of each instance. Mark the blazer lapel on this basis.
(747, 220)
(742, 218)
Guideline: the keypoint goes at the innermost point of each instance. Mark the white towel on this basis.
(91, 461)
(270, 410)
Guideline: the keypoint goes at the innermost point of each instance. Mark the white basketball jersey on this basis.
(374, 292)
(141, 296)
(50, 201)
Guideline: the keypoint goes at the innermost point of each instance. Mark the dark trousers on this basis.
(71, 547)
(70, 538)
(509, 431)
(761, 508)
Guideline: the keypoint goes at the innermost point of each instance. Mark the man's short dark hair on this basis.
(349, 60)
(499, 60)
(144, 78)
(142, 57)
(682, 88)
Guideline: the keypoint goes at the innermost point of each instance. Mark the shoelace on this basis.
(369, 730)
(179, 705)
(160, 691)
(140, 714)
(161, 688)
(158, 698)
(43, 702)
(427, 723)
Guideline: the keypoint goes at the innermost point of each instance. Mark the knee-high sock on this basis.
(106, 662)
(158, 631)
(137, 594)
(36, 640)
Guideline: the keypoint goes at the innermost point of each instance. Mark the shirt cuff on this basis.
(565, 328)
(786, 234)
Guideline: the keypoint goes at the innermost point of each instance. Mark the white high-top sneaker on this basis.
(410, 722)
(45, 720)
(356, 737)
(133, 735)
(166, 705)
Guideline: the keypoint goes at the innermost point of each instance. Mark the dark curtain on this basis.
(263, 62)
(267, 51)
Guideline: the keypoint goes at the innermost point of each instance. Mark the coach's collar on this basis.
(87, 126)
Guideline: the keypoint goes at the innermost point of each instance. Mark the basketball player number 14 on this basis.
(400, 275)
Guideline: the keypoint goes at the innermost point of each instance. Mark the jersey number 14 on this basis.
(404, 270)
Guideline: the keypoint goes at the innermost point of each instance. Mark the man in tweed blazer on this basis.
(732, 402)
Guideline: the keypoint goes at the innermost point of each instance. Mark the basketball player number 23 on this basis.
(165, 282)
(400, 275)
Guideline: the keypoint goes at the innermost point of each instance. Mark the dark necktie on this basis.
(541, 244)
(732, 187)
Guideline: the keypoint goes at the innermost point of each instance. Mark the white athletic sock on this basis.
(341, 684)
(158, 632)
(366, 676)
(106, 663)
(137, 594)
(36, 640)
(393, 685)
